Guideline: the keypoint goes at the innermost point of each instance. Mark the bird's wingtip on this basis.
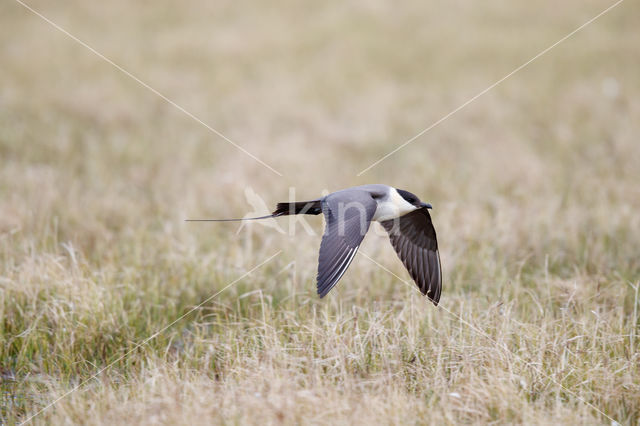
(434, 301)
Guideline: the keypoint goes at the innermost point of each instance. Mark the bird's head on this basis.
(413, 199)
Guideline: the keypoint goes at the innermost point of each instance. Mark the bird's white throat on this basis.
(392, 206)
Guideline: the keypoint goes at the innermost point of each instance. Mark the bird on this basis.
(348, 215)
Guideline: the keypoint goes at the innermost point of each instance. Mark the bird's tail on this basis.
(282, 209)
(298, 207)
(230, 220)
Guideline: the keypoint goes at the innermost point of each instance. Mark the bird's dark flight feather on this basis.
(414, 240)
(342, 235)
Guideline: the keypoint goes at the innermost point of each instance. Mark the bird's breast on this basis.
(392, 207)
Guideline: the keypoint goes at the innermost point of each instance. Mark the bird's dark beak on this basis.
(425, 205)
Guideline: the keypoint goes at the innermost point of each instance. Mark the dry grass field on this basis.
(535, 187)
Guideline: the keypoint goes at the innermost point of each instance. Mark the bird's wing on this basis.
(414, 240)
(348, 215)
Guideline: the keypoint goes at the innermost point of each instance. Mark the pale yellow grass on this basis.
(535, 188)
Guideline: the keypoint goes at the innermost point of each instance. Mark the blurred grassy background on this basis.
(535, 188)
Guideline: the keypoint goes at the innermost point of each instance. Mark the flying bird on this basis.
(348, 214)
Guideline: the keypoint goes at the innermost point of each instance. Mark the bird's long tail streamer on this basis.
(231, 220)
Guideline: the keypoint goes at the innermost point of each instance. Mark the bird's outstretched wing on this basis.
(414, 240)
(348, 215)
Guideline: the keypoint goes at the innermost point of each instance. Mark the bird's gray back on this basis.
(358, 192)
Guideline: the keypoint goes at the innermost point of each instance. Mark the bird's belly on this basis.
(388, 210)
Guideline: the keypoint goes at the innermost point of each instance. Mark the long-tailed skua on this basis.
(348, 214)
